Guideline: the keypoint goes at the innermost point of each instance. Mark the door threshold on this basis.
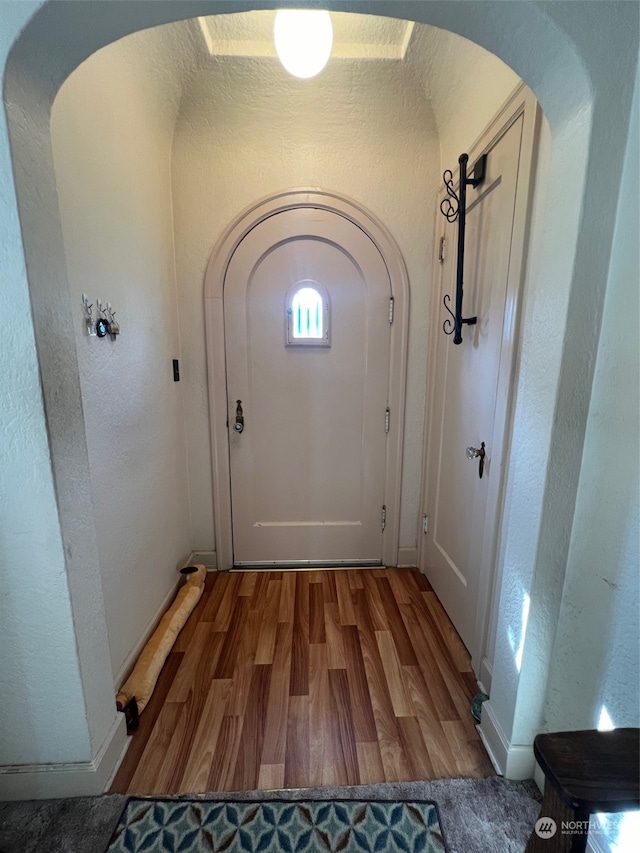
(305, 565)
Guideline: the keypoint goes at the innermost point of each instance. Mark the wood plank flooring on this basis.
(300, 679)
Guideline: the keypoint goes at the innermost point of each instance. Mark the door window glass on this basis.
(308, 315)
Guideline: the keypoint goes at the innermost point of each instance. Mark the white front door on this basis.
(467, 383)
(306, 320)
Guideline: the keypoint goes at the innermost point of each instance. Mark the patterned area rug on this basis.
(276, 826)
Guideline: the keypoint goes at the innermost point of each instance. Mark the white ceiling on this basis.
(354, 36)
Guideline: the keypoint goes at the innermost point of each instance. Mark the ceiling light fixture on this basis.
(303, 40)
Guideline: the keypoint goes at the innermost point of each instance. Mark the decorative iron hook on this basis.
(448, 208)
(448, 326)
(452, 211)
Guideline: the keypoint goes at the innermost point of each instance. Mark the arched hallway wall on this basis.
(39, 668)
(561, 317)
(112, 133)
(561, 368)
(597, 648)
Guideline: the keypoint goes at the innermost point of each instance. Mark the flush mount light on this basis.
(303, 40)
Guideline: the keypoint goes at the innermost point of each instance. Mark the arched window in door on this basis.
(308, 315)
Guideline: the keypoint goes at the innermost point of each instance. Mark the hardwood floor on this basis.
(299, 679)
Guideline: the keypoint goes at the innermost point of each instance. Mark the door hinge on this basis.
(442, 245)
(383, 518)
(391, 309)
(387, 419)
(425, 523)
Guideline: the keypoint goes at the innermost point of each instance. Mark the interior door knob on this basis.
(477, 453)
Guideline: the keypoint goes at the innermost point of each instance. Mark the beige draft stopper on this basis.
(145, 674)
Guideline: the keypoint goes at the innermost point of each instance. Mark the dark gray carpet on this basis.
(478, 815)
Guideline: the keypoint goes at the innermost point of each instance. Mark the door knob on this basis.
(477, 453)
(239, 424)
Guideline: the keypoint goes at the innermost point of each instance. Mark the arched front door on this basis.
(306, 305)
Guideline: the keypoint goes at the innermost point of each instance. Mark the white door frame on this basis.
(214, 324)
(521, 103)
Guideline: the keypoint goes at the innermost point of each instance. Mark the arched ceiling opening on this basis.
(573, 56)
(442, 63)
(63, 34)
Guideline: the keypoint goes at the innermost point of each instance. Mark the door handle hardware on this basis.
(477, 453)
(239, 424)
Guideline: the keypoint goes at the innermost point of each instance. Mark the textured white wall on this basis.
(246, 129)
(560, 334)
(112, 130)
(596, 660)
(465, 84)
(39, 669)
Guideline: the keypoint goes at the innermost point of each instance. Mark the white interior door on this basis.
(308, 467)
(465, 386)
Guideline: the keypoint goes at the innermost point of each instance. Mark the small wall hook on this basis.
(89, 322)
(102, 325)
(113, 327)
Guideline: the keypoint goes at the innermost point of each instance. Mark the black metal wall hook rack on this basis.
(453, 207)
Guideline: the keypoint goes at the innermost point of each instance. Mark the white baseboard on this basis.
(80, 779)
(128, 740)
(491, 751)
(407, 558)
(485, 676)
(204, 558)
(520, 762)
(208, 559)
(513, 761)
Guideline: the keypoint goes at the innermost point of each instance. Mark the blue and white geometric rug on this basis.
(278, 826)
